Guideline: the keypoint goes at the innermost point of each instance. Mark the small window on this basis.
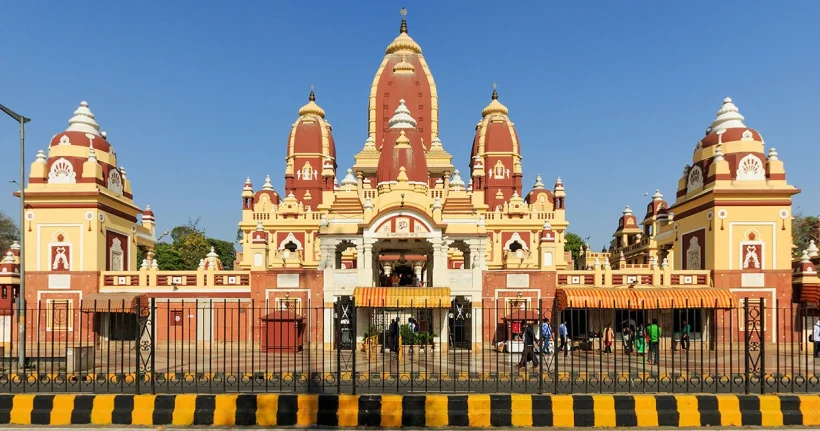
(176, 317)
(5, 292)
(515, 246)
(291, 246)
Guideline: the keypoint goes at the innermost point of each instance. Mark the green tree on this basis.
(8, 232)
(575, 244)
(190, 243)
(168, 258)
(804, 229)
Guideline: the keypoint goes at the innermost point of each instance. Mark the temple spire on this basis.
(403, 28)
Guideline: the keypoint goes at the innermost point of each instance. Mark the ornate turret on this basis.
(310, 149)
(496, 143)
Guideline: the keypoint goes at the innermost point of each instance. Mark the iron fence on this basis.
(216, 346)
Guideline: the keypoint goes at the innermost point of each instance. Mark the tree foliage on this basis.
(189, 244)
(804, 229)
(8, 232)
(575, 244)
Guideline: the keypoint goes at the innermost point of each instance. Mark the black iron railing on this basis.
(216, 346)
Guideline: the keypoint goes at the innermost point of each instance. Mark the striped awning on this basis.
(643, 298)
(402, 297)
(136, 303)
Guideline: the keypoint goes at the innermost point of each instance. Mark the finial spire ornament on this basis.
(311, 97)
(495, 107)
(403, 28)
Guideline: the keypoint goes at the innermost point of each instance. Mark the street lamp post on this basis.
(21, 296)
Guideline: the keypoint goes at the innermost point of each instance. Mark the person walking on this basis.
(654, 334)
(394, 336)
(609, 337)
(528, 354)
(563, 334)
(816, 339)
(684, 335)
(546, 336)
(627, 340)
(640, 340)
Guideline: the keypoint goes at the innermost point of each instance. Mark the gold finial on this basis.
(403, 28)
(312, 96)
(495, 92)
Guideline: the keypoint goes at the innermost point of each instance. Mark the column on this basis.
(477, 250)
(440, 274)
(364, 262)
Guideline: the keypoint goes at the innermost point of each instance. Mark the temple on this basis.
(400, 231)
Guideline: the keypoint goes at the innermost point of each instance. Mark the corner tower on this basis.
(80, 212)
(732, 212)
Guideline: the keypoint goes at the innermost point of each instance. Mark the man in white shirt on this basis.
(816, 339)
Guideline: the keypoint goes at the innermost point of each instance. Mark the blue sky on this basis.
(610, 96)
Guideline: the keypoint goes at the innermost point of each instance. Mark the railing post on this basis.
(138, 349)
(747, 353)
(338, 335)
(544, 344)
(763, 346)
(556, 335)
(353, 317)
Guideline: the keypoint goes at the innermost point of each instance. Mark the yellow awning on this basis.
(402, 297)
(643, 298)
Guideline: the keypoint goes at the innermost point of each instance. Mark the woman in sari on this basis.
(640, 340)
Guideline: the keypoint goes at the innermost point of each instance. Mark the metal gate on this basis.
(754, 312)
(460, 323)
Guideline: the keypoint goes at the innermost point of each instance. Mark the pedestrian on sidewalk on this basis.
(816, 339)
(563, 334)
(528, 336)
(609, 337)
(546, 336)
(626, 336)
(640, 340)
(684, 335)
(654, 334)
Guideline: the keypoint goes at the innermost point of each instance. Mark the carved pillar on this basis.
(440, 249)
(364, 264)
(327, 255)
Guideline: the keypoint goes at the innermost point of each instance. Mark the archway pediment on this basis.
(402, 224)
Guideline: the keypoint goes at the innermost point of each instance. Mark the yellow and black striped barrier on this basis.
(395, 411)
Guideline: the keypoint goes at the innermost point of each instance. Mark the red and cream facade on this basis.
(475, 236)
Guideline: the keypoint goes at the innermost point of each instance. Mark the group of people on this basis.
(393, 332)
(537, 341)
(396, 280)
(642, 339)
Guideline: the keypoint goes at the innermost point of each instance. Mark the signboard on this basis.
(518, 280)
(287, 280)
(752, 280)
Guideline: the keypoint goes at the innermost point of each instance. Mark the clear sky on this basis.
(610, 96)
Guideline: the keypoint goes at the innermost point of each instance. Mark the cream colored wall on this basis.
(83, 235)
(723, 241)
(772, 230)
